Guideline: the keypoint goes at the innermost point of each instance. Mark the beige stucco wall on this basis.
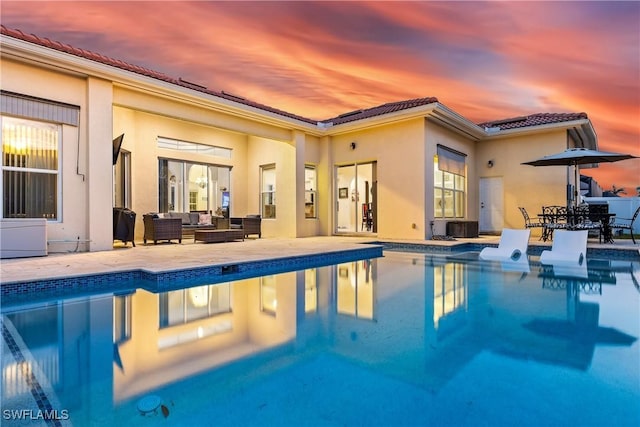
(436, 134)
(71, 231)
(399, 151)
(526, 186)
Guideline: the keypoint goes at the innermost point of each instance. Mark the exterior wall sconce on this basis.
(353, 145)
(490, 164)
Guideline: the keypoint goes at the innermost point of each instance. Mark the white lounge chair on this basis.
(568, 246)
(513, 244)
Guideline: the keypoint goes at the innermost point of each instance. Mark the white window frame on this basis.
(268, 193)
(310, 195)
(57, 171)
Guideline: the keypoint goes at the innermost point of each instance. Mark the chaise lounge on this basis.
(568, 247)
(513, 245)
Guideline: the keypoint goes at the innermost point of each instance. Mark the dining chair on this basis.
(529, 222)
(584, 219)
(555, 218)
(625, 224)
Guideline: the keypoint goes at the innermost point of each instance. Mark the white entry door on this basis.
(491, 205)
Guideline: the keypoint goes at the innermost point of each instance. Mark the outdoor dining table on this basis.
(568, 220)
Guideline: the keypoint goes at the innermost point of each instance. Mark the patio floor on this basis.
(172, 256)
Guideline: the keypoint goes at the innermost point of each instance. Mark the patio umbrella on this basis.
(578, 156)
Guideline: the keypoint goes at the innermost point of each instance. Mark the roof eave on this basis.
(582, 129)
(445, 116)
(434, 111)
(83, 67)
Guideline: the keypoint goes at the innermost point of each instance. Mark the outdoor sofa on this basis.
(179, 225)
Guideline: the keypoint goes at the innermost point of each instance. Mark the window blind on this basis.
(451, 161)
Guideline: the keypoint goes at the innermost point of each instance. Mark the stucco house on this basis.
(401, 170)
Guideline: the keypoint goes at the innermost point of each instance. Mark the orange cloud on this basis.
(486, 61)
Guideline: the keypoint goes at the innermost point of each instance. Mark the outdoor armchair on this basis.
(251, 224)
(161, 228)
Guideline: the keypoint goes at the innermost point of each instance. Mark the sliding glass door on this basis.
(356, 205)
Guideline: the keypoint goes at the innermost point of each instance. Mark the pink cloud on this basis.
(484, 60)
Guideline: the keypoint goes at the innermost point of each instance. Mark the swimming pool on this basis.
(401, 340)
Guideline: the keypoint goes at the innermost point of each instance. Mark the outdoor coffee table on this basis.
(218, 236)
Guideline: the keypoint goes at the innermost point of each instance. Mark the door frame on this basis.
(370, 190)
(494, 186)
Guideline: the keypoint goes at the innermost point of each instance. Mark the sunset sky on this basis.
(485, 60)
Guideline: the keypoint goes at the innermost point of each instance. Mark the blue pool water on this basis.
(407, 339)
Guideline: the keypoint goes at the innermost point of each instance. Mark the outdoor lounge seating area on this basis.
(201, 226)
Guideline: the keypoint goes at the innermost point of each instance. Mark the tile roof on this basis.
(86, 54)
(533, 120)
(387, 108)
(512, 123)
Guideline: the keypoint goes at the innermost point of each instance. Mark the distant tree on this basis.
(615, 191)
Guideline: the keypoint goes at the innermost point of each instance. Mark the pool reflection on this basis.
(416, 318)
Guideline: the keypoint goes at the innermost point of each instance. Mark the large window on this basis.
(310, 192)
(449, 184)
(268, 295)
(449, 290)
(185, 186)
(121, 318)
(199, 302)
(30, 169)
(268, 183)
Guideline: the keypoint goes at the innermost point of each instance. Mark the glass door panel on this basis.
(346, 211)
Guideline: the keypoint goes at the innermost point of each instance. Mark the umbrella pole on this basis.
(576, 186)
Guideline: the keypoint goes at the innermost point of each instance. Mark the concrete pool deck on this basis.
(174, 256)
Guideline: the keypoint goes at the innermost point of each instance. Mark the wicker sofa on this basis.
(251, 224)
(179, 225)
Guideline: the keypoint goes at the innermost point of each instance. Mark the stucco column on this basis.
(326, 200)
(99, 174)
(299, 142)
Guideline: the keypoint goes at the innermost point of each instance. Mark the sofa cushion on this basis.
(205, 219)
(184, 216)
(194, 218)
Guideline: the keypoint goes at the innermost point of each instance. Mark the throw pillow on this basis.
(205, 219)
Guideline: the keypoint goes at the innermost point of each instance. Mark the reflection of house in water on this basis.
(416, 318)
(179, 333)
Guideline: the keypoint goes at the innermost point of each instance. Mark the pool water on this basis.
(403, 340)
